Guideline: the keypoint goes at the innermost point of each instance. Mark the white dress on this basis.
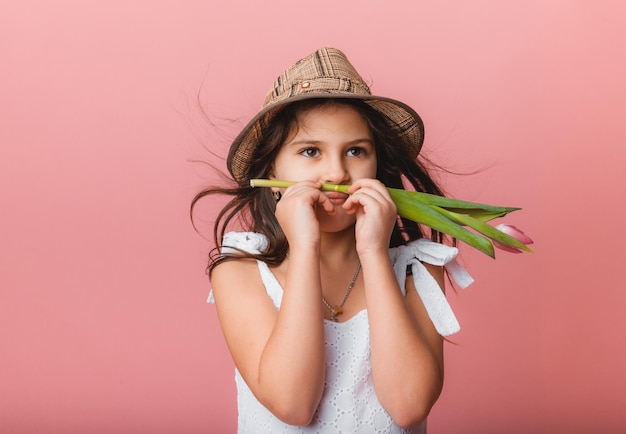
(349, 403)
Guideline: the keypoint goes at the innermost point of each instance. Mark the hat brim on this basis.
(402, 118)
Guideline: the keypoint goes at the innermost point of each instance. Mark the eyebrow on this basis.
(320, 142)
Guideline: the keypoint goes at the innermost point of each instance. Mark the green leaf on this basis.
(448, 203)
(412, 209)
(483, 216)
(485, 229)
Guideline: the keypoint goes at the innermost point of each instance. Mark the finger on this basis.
(310, 192)
(371, 201)
(361, 200)
(367, 183)
(365, 195)
(299, 187)
(326, 204)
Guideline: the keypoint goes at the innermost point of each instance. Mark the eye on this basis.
(310, 152)
(356, 152)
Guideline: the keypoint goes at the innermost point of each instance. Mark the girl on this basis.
(331, 305)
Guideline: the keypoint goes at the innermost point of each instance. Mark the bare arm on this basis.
(280, 354)
(406, 350)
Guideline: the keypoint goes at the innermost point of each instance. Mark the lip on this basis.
(336, 198)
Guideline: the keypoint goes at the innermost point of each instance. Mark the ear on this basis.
(274, 190)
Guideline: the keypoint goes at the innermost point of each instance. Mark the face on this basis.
(331, 144)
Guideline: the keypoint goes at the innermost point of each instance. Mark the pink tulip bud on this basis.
(515, 233)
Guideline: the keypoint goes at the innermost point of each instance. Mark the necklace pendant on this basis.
(334, 311)
(337, 309)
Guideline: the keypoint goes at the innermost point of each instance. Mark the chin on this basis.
(335, 223)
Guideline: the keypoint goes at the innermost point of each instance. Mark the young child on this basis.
(331, 305)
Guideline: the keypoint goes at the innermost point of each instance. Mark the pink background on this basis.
(103, 321)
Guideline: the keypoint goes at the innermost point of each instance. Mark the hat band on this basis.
(336, 86)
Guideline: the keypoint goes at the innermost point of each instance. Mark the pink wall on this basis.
(103, 325)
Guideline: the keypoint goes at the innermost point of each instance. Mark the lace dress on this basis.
(349, 403)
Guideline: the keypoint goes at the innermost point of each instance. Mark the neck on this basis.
(338, 248)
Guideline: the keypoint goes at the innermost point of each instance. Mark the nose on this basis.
(335, 170)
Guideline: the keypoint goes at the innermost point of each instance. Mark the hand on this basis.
(376, 215)
(295, 213)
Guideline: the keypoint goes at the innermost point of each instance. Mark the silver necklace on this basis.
(338, 308)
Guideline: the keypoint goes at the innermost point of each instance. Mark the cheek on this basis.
(282, 173)
(292, 168)
(368, 170)
(278, 168)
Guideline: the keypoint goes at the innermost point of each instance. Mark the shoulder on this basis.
(238, 289)
(232, 268)
(437, 271)
(236, 275)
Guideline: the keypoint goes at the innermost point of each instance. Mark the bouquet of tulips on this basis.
(450, 216)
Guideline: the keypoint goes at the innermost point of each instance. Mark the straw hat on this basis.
(327, 73)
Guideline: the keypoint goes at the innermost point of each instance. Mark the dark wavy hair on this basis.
(254, 208)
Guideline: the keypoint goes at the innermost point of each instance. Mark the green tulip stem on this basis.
(439, 213)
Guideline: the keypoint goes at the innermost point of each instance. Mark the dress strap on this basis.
(422, 250)
(413, 255)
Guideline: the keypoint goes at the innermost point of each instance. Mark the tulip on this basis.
(515, 233)
(443, 214)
